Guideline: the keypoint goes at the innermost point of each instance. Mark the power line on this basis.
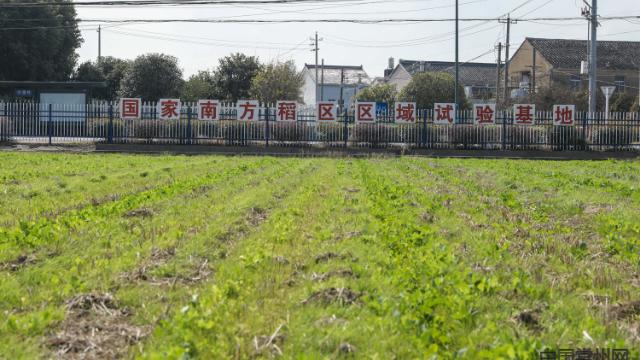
(146, 3)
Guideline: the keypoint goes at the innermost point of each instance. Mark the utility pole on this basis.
(593, 57)
(322, 82)
(455, 96)
(498, 74)
(341, 102)
(508, 21)
(532, 90)
(99, 43)
(316, 48)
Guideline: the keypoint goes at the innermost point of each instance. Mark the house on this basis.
(477, 79)
(336, 83)
(558, 63)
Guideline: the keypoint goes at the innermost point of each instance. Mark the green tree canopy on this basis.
(383, 93)
(277, 81)
(622, 101)
(428, 88)
(152, 77)
(108, 69)
(234, 75)
(200, 86)
(38, 54)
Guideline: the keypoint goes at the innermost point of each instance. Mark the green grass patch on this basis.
(244, 257)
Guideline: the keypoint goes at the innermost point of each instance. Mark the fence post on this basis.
(345, 134)
(189, 138)
(110, 127)
(504, 131)
(266, 126)
(49, 124)
(585, 122)
(424, 129)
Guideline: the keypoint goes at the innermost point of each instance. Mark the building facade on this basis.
(477, 79)
(558, 62)
(339, 83)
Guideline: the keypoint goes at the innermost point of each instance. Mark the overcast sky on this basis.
(199, 46)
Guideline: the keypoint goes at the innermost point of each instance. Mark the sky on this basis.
(200, 46)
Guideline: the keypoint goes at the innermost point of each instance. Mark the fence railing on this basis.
(100, 123)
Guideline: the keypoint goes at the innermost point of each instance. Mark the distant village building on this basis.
(477, 79)
(558, 62)
(50, 92)
(336, 83)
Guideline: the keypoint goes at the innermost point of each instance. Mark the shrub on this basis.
(240, 132)
(330, 132)
(405, 134)
(615, 136)
(565, 138)
(99, 128)
(289, 132)
(523, 136)
(437, 136)
(6, 129)
(375, 134)
(473, 136)
(149, 129)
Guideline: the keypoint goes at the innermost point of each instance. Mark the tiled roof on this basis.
(352, 74)
(471, 73)
(567, 54)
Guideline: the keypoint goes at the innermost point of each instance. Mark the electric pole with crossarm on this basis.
(314, 43)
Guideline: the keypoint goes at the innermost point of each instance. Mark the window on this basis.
(575, 82)
(619, 83)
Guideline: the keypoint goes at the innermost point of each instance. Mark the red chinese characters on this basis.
(286, 111)
(169, 109)
(524, 114)
(208, 110)
(444, 113)
(365, 112)
(405, 112)
(248, 110)
(564, 115)
(484, 114)
(130, 109)
(327, 111)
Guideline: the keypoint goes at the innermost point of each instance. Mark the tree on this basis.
(199, 86)
(38, 54)
(382, 93)
(234, 75)
(622, 101)
(108, 69)
(546, 97)
(428, 88)
(277, 81)
(152, 77)
(636, 105)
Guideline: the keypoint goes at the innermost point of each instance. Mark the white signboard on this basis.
(444, 113)
(248, 110)
(130, 108)
(208, 110)
(286, 111)
(67, 107)
(524, 114)
(405, 112)
(327, 111)
(484, 114)
(564, 115)
(365, 112)
(169, 109)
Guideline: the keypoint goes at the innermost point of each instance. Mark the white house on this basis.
(477, 79)
(337, 83)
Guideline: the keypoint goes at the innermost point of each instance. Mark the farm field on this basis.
(132, 256)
